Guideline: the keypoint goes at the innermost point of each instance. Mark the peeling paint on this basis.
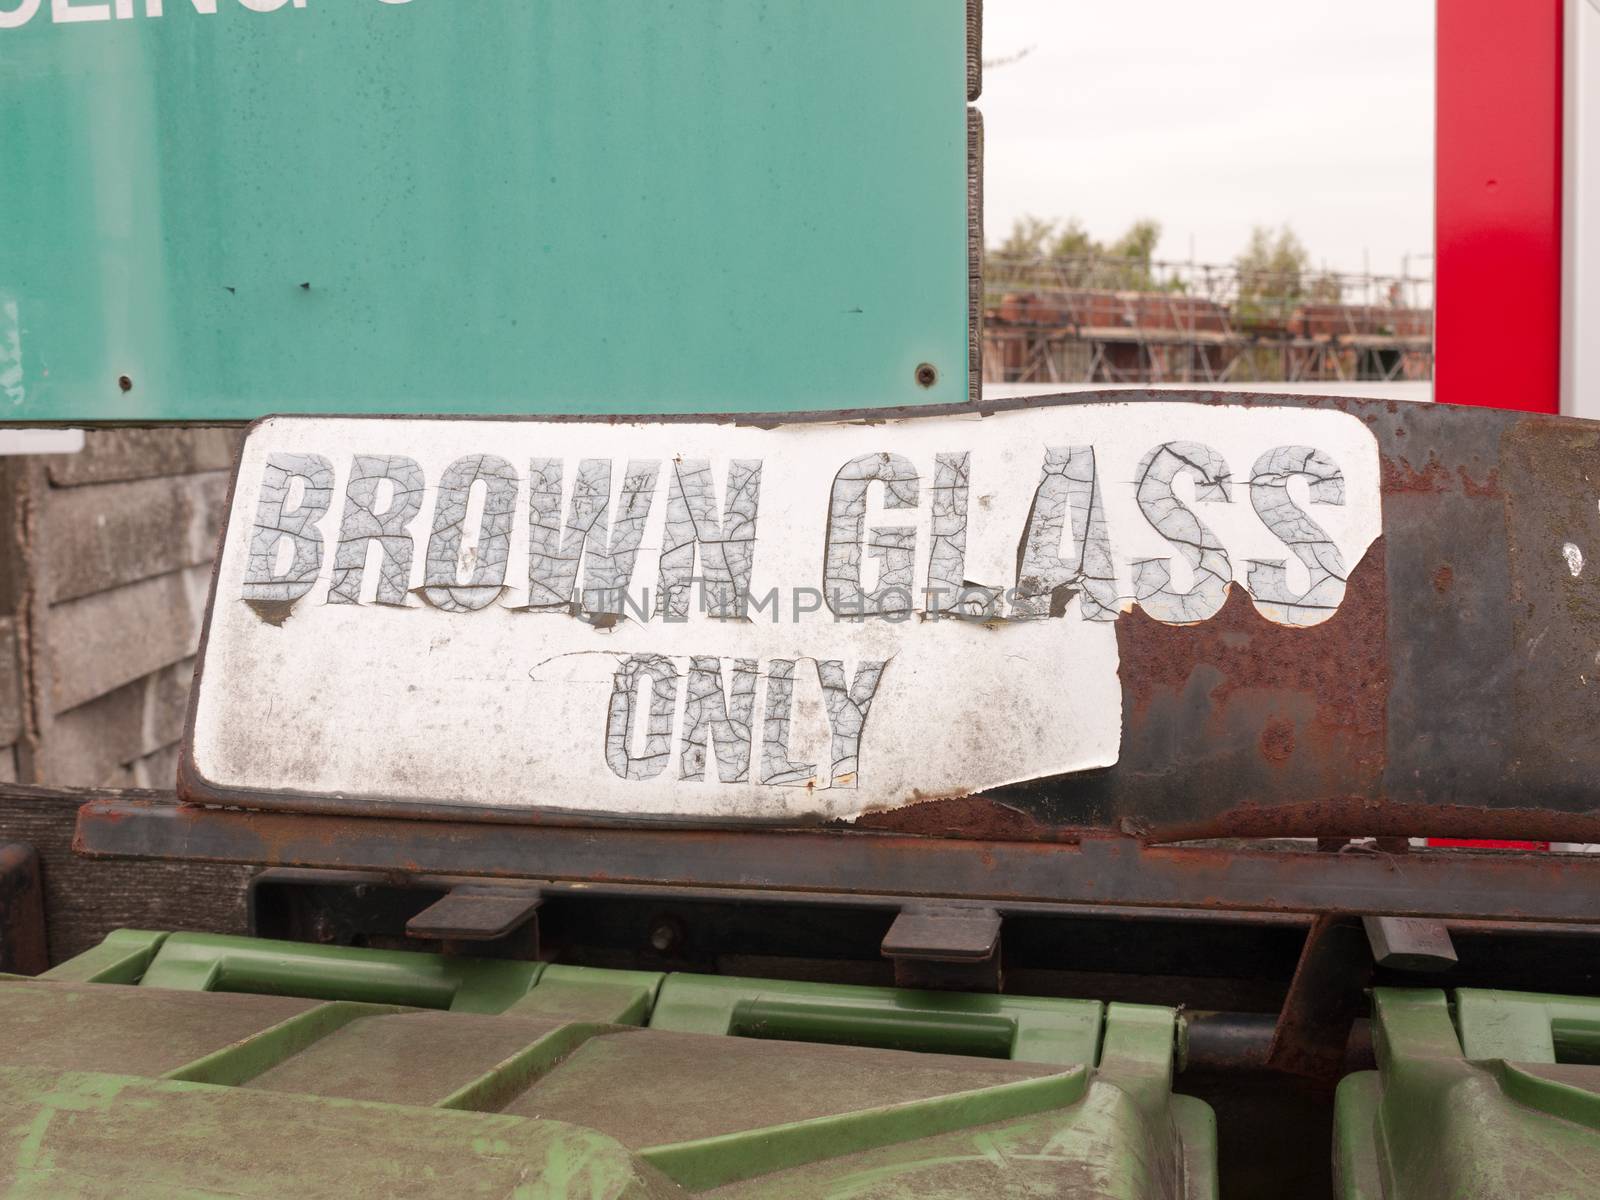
(607, 552)
(283, 521)
(365, 524)
(720, 716)
(1177, 523)
(1269, 493)
(726, 548)
(1068, 493)
(893, 546)
(1574, 557)
(485, 566)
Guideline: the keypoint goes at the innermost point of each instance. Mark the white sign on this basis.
(77, 12)
(725, 621)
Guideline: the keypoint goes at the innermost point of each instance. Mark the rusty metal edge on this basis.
(1356, 817)
(1199, 394)
(1325, 998)
(1561, 889)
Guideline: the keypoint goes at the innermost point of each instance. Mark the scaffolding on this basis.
(1099, 319)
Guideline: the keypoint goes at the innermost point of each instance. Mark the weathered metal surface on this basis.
(1420, 706)
(475, 913)
(1234, 1043)
(552, 204)
(22, 933)
(1404, 944)
(1096, 870)
(1411, 709)
(946, 947)
(944, 933)
(1324, 1000)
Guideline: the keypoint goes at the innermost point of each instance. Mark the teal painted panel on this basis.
(480, 206)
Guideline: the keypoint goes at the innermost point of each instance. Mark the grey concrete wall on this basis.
(104, 566)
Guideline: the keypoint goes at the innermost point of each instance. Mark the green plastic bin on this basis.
(1489, 1094)
(165, 1065)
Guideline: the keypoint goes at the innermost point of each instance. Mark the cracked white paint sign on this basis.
(727, 622)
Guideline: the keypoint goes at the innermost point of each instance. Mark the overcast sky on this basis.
(1214, 115)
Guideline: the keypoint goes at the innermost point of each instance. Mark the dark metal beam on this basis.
(1101, 871)
(1324, 1000)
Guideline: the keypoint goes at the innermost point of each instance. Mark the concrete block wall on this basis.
(105, 562)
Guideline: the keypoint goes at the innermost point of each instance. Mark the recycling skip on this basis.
(728, 619)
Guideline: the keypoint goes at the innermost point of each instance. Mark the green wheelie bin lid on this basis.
(161, 1065)
(1477, 1094)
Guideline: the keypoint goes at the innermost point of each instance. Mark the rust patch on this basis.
(273, 612)
(1277, 740)
(1248, 713)
(1400, 475)
(959, 816)
(1324, 1000)
(1482, 885)
(1340, 666)
(1443, 578)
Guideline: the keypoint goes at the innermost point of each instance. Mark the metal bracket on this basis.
(475, 912)
(1325, 997)
(946, 947)
(1410, 943)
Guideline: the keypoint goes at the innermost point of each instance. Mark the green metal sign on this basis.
(220, 208)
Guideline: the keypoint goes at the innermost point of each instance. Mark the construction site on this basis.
(1100, 319)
